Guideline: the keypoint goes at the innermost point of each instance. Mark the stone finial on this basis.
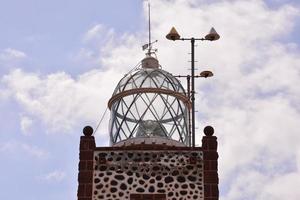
(208, 131)
(88, 131)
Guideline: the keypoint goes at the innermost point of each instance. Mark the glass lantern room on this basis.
(148, 103)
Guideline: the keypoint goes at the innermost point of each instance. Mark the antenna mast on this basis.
(149, 27)
(148, 46)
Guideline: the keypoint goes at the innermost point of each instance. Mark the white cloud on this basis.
(252, 105)
(252, 101)
(64, 103)
(8, 146)
(55, 176)
(26, 124)
(101, 43)
(94, 32)
(60, 101)
(34, 151)
(12, 54)
(4, 94)
(283, 186)
(15, 147)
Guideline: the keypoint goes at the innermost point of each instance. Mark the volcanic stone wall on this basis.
(123, 173)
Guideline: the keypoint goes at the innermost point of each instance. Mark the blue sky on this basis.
(60, 61)
(49, 32)
(38, 28)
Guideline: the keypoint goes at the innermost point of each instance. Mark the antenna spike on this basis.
(149, 27)
(149, 12)
(148, 46)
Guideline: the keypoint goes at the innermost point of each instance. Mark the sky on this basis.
(60, 61)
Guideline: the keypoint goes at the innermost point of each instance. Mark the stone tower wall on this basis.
(177, 174)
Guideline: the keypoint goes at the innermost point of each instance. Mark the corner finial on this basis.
(208, 130)
(88, 131)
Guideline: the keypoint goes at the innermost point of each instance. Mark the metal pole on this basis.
(188, 78)
(149, 24)
(193, 89)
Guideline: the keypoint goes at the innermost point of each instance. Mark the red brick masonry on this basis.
(85, 175)
(210, 159)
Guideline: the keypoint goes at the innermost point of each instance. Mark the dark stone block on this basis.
(184, 186)
(102, 155)
(192, 178)
(145, 176)
(183, 192)
(140, 190)
(96, 180)
(130, 180)
(175, 173)
(113, 190)
(161, 190)
(102, 160)
(119, 177)
(169, 179)
(192, 185)
(99, 186)
(113, 182)
(160, 185)
(193, 160)
(123, 186)
(102, 168)
(151, 189)
(181, 179)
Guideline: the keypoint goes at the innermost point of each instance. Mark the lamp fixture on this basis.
(173, 34)
(211, 36)
(206, 74)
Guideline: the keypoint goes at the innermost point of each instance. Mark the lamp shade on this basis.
(173, 34)
(212, 35)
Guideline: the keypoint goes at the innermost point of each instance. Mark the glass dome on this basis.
(149, 102)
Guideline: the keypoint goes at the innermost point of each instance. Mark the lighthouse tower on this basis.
(150, 156)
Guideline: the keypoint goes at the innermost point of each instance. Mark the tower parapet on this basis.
(148, 171)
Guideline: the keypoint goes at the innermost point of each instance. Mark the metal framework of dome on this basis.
(149, 102)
